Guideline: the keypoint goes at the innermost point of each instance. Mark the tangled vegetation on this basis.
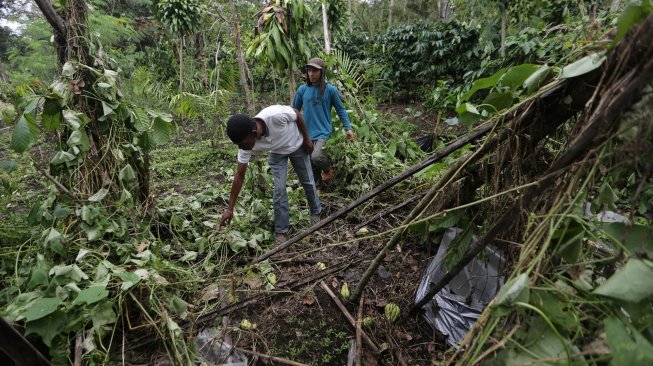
(530, 132)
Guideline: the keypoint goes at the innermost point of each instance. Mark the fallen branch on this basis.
(386, 212)
(381, 188)
(57, 184)
(350, 318)
(271, 358)
(359, 332)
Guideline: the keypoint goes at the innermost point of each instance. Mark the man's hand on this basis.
(225, 219)
(308, 146)
(351, 134)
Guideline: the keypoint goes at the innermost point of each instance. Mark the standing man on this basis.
(281, 131)
(318, 97)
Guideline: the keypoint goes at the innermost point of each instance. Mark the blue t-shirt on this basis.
(317, 111)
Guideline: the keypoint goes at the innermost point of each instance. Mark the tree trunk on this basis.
(291, 83)
(241, 58)
(504, 21)
(351, 18)
(615, 5)
(390, 6)
(181, 64)
(325, 26)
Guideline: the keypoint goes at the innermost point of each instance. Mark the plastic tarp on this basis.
(455, 309)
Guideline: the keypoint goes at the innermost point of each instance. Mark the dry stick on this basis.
(619, 95)
(59, 186)
(149, 338)
(79, 349)
(387, 212)
(271, 358)
(359, 330)
(344, 310)
(405, 174)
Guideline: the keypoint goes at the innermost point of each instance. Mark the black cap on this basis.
(239, 126)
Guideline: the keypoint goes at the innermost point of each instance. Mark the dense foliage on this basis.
(90, 254)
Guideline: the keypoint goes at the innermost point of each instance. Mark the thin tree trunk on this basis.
(325, 26)
(390, 6)
(241, 58)
(351, 18)
(504, 21)
(613, 7)
(291, 83)
(181, 64)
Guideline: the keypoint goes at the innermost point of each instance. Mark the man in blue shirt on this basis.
(317, 97)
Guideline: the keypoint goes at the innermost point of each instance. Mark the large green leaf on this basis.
(638, 239)
(141, 120)
(631, 284)
(483, 83)
(516, 289)
(496, 101)
(516, 75)
(41, 307)
(632, 14)
(103, 314)
(51, 115)
(160, 133)
(47, 327)
(22, 136)
(628, 348)
(127, 174)
(582, 66)
(91, 295)
(535, 80)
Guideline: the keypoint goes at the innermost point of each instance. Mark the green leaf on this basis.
(627, 348)
(141, 120)
(560, 312)
(73, 119)
(62, 157)
(91, 295)
(68, 70)
(160, 131)
(498, 101)
(103, 314)
(127, 174)
(99, 195)
(484, 83)
(636, 238)
(582, 66)
(8, 166)
(39, 275)
(631, 283)
(516, 75)
(632, 14)
(515, 290)
(61, 212)
(177, 305)
(72, 272)
(47, 327)
(22, 136)
(41, 307)
(536, 79)
(51, 115)
(129, 279)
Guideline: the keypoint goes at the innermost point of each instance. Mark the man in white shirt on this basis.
(281, 131)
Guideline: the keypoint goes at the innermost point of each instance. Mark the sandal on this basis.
(315, 218)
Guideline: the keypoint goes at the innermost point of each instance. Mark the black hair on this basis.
(239, 126)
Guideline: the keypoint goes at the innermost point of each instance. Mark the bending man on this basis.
(281, 131)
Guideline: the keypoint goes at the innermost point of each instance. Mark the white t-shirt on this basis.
(282, 135)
